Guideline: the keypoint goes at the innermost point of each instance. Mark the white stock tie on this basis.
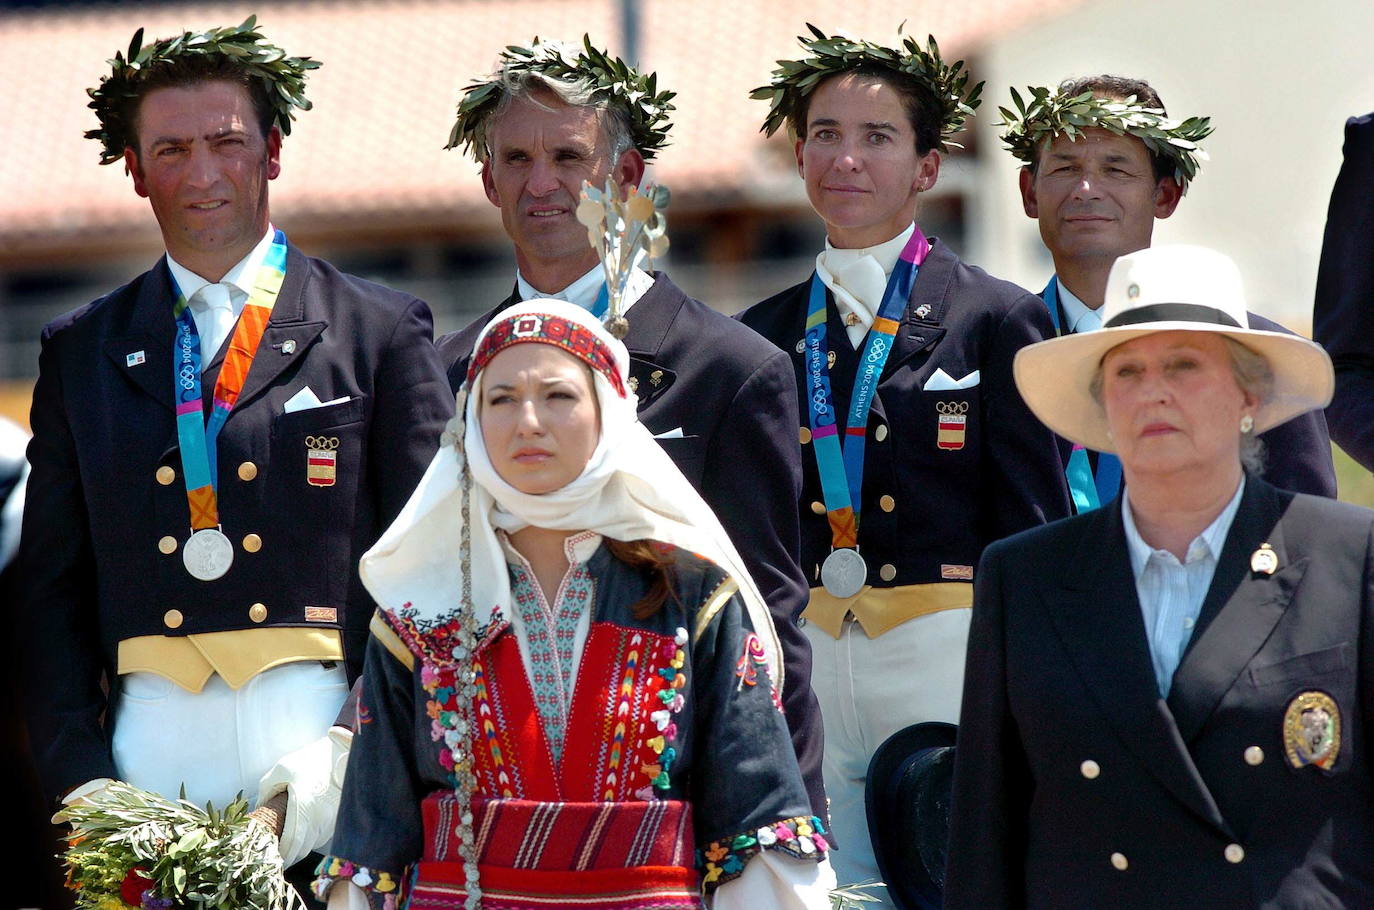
(214, 310)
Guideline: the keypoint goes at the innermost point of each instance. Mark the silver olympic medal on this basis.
(208, 554)
(844, 572)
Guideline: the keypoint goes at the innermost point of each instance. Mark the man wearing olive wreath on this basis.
(718, 399)
(1103, 161)
(215, 445)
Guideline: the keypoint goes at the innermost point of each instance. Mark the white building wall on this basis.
(1278, 81)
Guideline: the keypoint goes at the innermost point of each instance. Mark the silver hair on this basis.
(1253, 375)
(523, 85)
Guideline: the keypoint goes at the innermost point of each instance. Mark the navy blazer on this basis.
(732, 395)
(1343, 315)
(927, 511)
(92, 573)
(1077, 786)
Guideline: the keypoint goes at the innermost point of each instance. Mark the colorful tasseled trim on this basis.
(336, 869)
(672, 698)
(723, 860)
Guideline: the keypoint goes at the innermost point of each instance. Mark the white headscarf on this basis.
(629, 490)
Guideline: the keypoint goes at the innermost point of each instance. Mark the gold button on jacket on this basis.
(247, 471)
(166, 475)
(252, 543)
(167, 544)
(257, 612)
(172, 619)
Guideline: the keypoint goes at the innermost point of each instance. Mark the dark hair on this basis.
(1118, 88)
(918, 102)
(188, 72)
(654, 560)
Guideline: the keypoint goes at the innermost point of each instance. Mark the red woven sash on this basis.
(613, 856)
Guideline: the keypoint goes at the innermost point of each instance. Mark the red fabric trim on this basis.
(541, 328)
(440, 886)
(530, 834)
(610, 728)
(548, 854)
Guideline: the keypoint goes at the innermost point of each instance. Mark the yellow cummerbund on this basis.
(880, 609)
(237, 655)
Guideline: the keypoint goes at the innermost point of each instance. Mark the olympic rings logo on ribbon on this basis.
(322, 442)
(952, 407)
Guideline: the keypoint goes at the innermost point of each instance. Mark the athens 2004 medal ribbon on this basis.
(1088, 489)
(208, 554)
(841, 464)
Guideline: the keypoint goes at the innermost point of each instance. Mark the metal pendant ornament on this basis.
(208, 554)
(844, 573)
(1312, 730)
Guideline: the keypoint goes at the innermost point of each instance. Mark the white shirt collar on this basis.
(1075, 309)
(584, 290)
(1208, 543)
(242, 276)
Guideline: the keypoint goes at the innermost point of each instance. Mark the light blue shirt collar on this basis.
(1076, 312)
(1208, 543)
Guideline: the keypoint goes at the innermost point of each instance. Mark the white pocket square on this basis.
(674, 433)
(306, 399)
(940, 381)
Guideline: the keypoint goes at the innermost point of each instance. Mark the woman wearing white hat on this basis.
(1182, 725)
(570, 696)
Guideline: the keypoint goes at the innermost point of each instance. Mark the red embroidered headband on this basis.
(566, 334)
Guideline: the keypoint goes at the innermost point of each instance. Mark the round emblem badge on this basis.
(1312, 730)
(1264, 561)
(844, 572)
(208, 554)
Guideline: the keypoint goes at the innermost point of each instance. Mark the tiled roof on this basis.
(370, 153)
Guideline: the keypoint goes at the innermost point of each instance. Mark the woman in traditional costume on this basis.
(570, 694)
(917, 451)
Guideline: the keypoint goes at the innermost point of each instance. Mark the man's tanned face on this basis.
(540, 154)
(203, 163)
(1097, 197)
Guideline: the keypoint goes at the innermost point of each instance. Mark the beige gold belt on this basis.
(880, 609)
(237, 655)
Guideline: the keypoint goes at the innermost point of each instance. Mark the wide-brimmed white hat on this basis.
(1165, 289)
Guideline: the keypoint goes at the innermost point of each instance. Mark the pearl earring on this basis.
(1247, 423)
